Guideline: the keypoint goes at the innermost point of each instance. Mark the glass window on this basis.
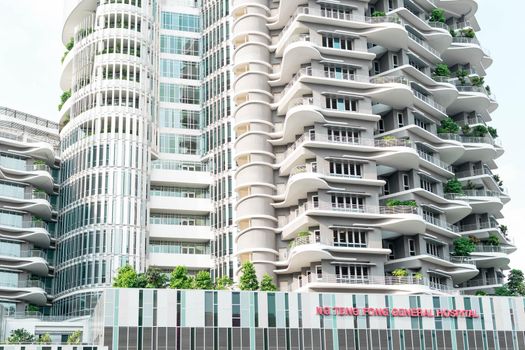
(180, 21)
(175, 93)
(179, 45)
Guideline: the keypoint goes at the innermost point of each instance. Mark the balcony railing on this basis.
(439, 25)
(35, 253)
(479, 226)
(424, 44)
(483, 282)
(438, 222)
(434, 160)
(430, 101)
(472, 193)
(462, 260)
(22, 284)
(460, 25)
(485, 248)
(382, 280)
(468, 139)
(390, 80)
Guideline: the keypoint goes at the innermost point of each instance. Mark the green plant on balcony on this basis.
(20, 336)
(378, 14)
(462, 74)
(463, 246)
(498, 180)
(44, 339)
(479, 131)
(469, 186)
(493, 240)
(481, 293)
(418, 276)
(39, 162)
(303, 234)
(468, 33)
(493, 132)
(438, 15)
(488, 90)
(399, 273)
(448, 126)
(453, 33)
(75, 338)
(70, 44)
(465, 129)
(503, 229)
(65, 96)
(453, 186)
(442, 70)
(399, 203)
(477, 81)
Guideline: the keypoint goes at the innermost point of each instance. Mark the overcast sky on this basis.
(31, 48)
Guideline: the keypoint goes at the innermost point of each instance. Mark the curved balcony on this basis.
(423, 48)
(36, 203)
(30, 291)
(487, 256)
(38, 175)
(34, 261)
(473, 98)
(303, 251)
(481, 201)
(440, 226)
(35, 232)
(398, 219)
(30, 146)
(375, 284)
(483, 230)
(481, 177)
(465, 50)
(476, 284)
(476, 148)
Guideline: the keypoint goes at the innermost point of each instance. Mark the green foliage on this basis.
(468, 33)
(203, 281)
(418, 276)
(20, 336)
(154, 278)
(463, 246)
(453, 186)
(65, 96)
(389, 138)
(503, 291)
(493, 132)
(378, 14)
(474, 239)
(267, 284)
(70, 44)
(479, 131)
(223, 283)
(126, 277)
(399, 273)
(75, 338)
(437, 15)
(469, 186)
(442, 70)
(515, 282)
(481, 293)
(179, 278)
(477, 81)
(248, 280)
(488, 90)
(397, 202)
(303, 234)
(448, 126)
(503, 229)
(461, 74)
(493, 240)
(32, 308)
(44, 339)
(453, 33)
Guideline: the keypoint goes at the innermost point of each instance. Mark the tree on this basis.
(493, 132)
(248, 279)
(453, 186)
(20, 336)
(223, 283)
(448, 126)
(515, 282)
(479, 131)
(179, 278)
(503, 291)
(203, 281)
(126, 277)
(155, 278)
(267, 284)
(44, 339)
(75, 338)
(463, 246)
(438, 15)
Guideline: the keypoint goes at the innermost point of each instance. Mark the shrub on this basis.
(437, 15)
(44, 339)
(70, 44)
(418, 276)
(493, 132)
(303, 234)
(474, 239)
(453, 186)
(515, 282)
(75, 338)
(378, 14)
(63, 98)
(399, 273)
(479, 131)
(461, 74)
(126, 277)
(477, 81)
(155, 278)
(448, 126)
(248, 280)
(442, 70)
(20, 336)
(493, 240)
(453, 33)
(468, 33)
(267, 284)
(397, 202)
(223, 283)
(503, 229)
(481, 293)
(463, 246)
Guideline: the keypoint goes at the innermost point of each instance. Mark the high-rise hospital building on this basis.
(342, 146)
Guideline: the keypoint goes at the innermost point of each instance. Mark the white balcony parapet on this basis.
(424, 44)
(434, 160)
(430, 101)
(438, 222)
(439, 25)
(472, 193)
(462, 260)
(469, 139)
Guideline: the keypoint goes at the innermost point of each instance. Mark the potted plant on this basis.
(437, 15)
(418, 277)
(463, 246)
(399, 273)
(453, 186)
(493, 240)
(448, 126)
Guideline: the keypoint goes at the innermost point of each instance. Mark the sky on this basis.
(30, 33)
